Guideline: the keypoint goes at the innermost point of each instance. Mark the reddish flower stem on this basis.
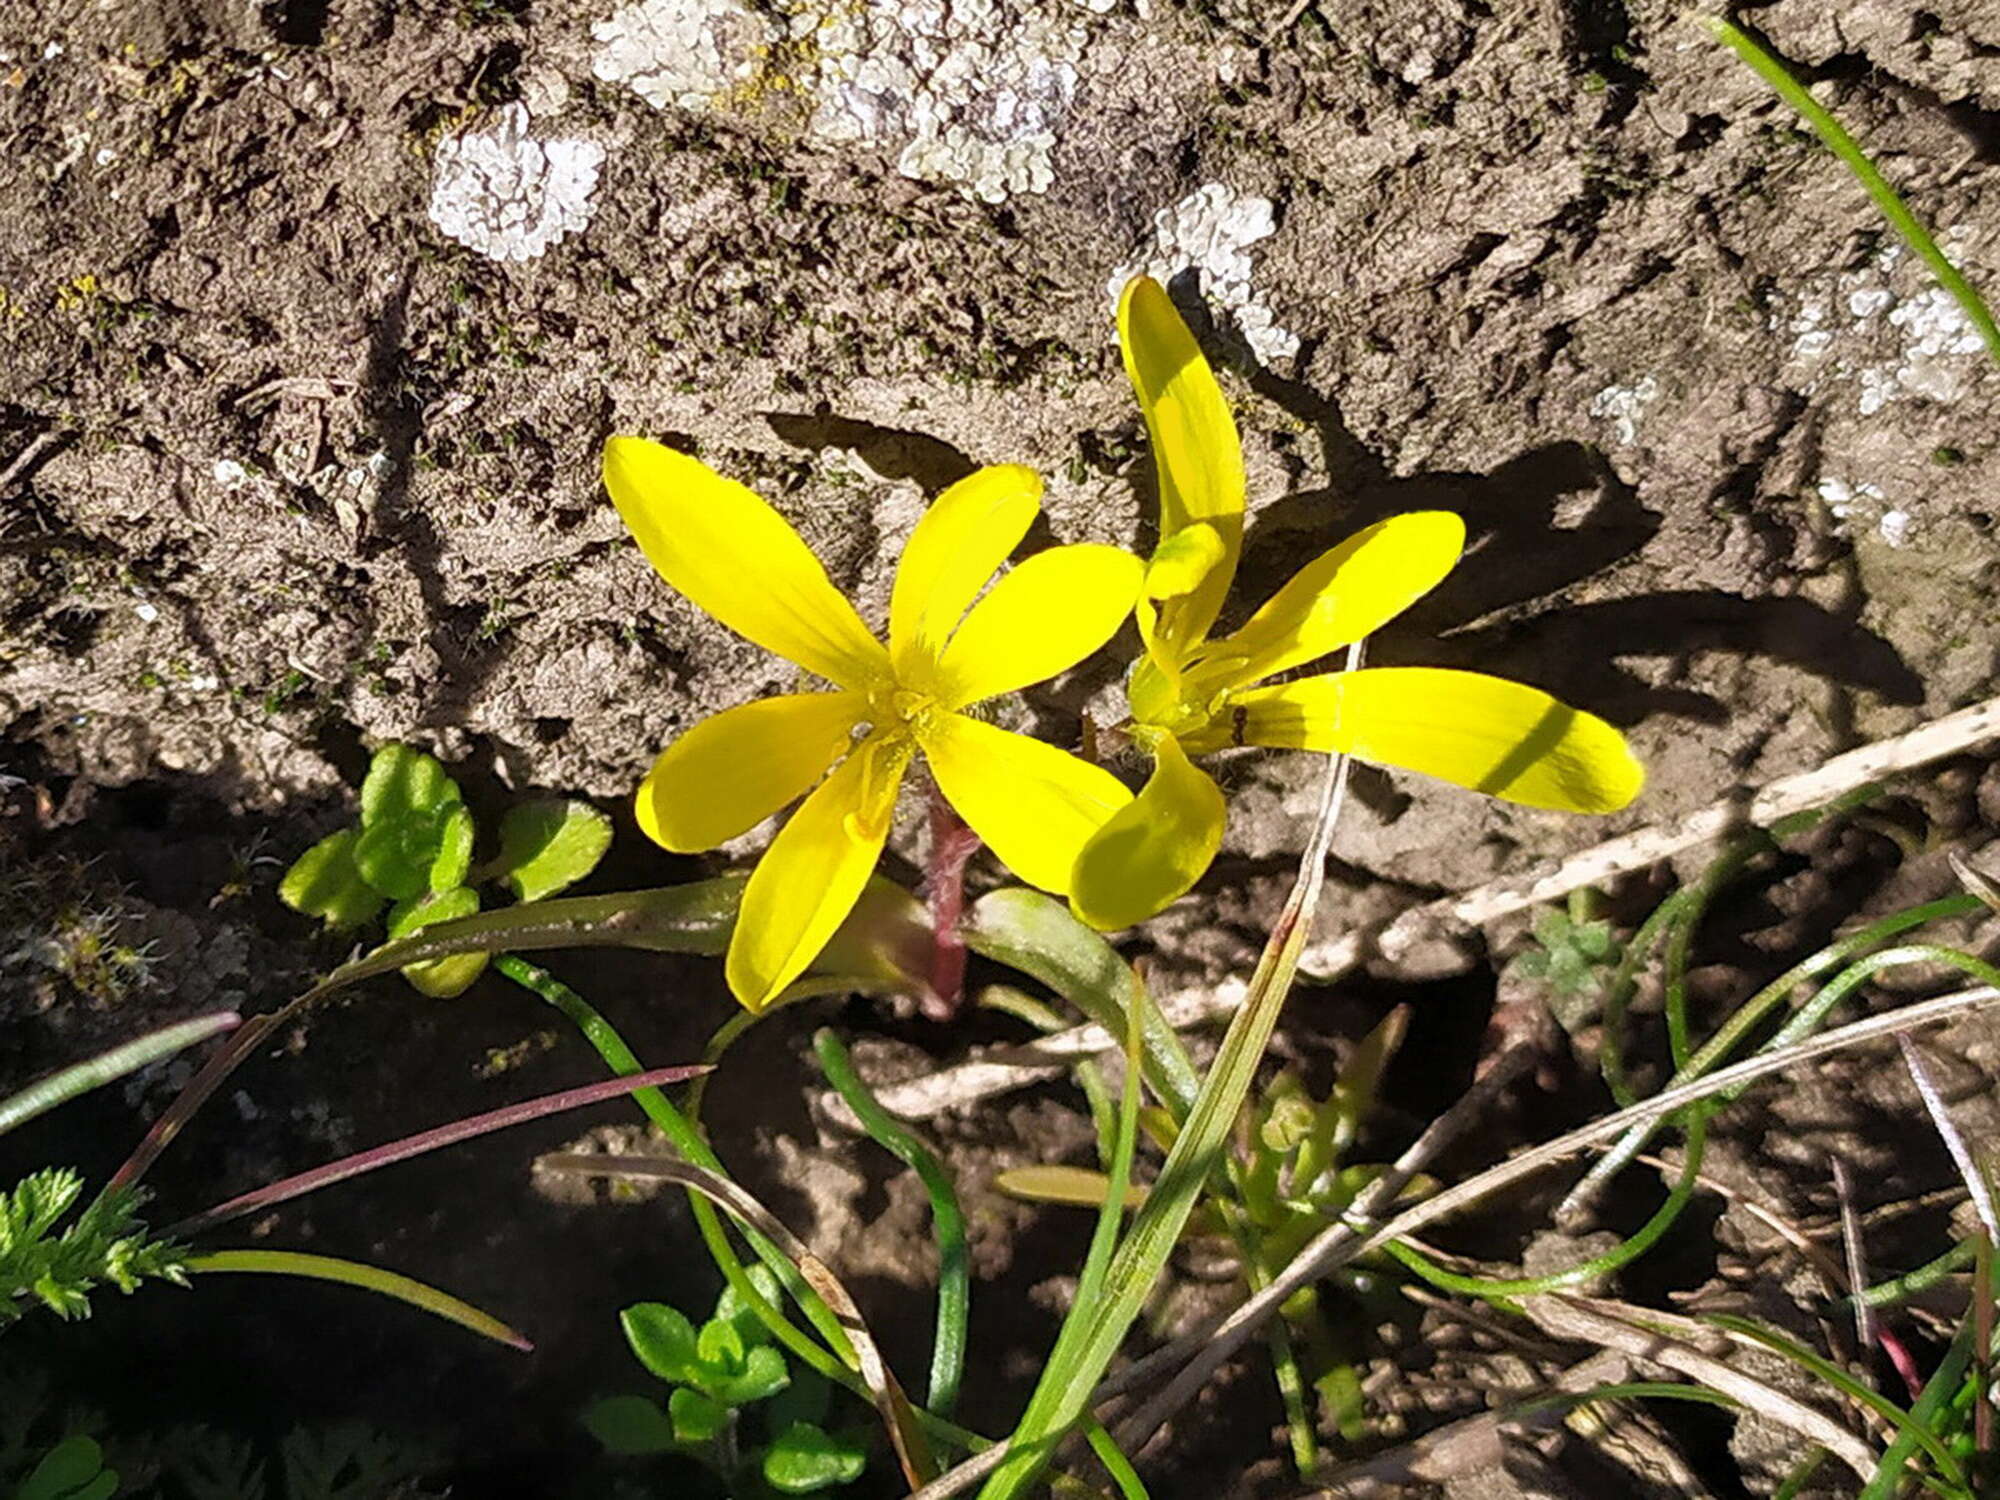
(952, 847)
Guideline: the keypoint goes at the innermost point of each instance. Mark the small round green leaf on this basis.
(762, 1374)
(72, 1470)
(440, 978)
(325, 883)
(805, 1459)
(630, 1426)
(547, 845)
(696, 1418)
(402, 780)
(664, 1340)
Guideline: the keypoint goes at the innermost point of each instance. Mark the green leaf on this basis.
(631, 1426)
(805, 1459)
(547, 845)
(664, 1340)
(731, 1308)
(763, 1374)
(454, 853)
(719, 1346)
(72, 1470)
(403, 780)
(440, 978)
(416, 834)
(696, 1418)
(325, 882)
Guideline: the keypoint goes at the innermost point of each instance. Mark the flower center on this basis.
(896, 708)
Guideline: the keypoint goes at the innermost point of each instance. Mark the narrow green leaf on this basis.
(325, 882)
(1836, 139)
(108, 1067)
(631, 1426)
(947, 1219)
(696, 1418)
(804, 1459)
(664, 1340)
(550, 844)
(1077, 1187)
(368, 1278)
(440, 978)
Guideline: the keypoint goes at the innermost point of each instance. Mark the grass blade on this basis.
(1841, 144)
(369, 1278)
(302, 1183)
(1093, 1331)
(947, 1220)
(107, 1067)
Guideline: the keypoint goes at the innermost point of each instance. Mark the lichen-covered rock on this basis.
(508, 195)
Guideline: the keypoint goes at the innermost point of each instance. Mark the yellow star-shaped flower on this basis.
(1191, 694)
(734, 556)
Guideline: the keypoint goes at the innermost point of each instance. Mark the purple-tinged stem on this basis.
(952, 847)
(299, 1185)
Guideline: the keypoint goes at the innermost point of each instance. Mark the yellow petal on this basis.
(1337, 598)
(733, 555)
(1042, 618)
(1482, 732)
(1195, 447)
(1183, 560)
(730, 772)
(958, 545)
(1034, 805)
(1154, 849)
(814, 872)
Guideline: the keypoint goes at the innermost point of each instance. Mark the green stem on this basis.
(948, 1222)
(623, 1062)
(1844, 146)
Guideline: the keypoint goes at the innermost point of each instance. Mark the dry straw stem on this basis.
(1679, 1344)
(1214, 1344)
(1475, 1444)
(1017, 1067)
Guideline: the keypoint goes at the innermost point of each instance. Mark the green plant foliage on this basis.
(414, 847)
(734, 1405)
(440, 978)
(1573, 956)
(631, 1426)
(105, 1245)
(548, 845)
(326, 883)
(804, 1459)
(72, 1470)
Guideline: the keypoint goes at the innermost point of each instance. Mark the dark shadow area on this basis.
(892, 452)
(1549, 520)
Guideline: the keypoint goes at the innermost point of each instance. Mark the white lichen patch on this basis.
(1211, 231)
(1886, 331)
(1863, 505)
(969, 93)
(1624, 405)
(966, 93)
(510, 196)
(683, 53)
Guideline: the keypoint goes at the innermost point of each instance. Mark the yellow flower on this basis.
(737, 558)
(1191, 695)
